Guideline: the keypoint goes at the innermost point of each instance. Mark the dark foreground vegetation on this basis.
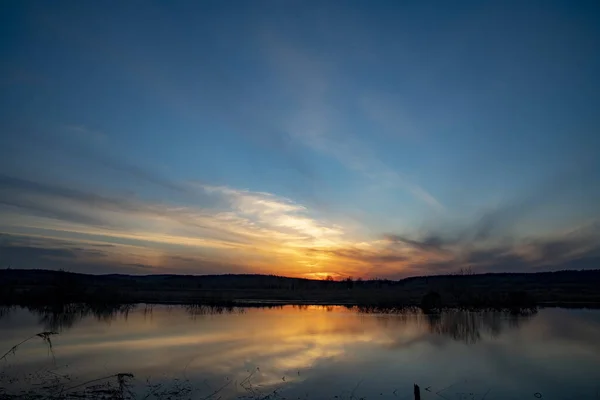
(491, 291)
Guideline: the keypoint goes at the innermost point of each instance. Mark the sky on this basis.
(300, 138)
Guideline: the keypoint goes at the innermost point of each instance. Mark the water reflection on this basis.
(470, 327)
(6, 310)
(322, 351)
(460, 325)
(62, 317)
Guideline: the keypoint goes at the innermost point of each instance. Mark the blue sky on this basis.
(300, 138)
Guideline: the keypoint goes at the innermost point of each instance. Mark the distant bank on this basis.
(501, 290)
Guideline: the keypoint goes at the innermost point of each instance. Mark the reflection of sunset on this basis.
(286, 338)
(298, 347)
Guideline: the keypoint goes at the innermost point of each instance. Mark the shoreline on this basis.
(568, 289)
(266, 303)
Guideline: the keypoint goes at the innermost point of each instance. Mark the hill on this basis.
(564, 288)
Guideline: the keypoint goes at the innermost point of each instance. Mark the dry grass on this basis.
(45, 336)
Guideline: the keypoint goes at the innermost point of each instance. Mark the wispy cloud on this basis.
(282, 214)
(390, 116)
(260, 228)
(437, 253)
(99, 258)
(250, 231)
(85, 149)
(224, 229)
(316, 125)
(319, 133)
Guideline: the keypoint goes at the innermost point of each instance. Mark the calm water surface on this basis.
(318, 352)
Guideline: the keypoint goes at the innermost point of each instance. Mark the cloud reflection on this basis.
(295, 348)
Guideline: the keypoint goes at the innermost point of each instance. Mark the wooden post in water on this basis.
(417, 392)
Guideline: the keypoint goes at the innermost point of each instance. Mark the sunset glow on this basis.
(305, 139)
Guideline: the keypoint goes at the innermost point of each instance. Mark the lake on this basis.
(307, 352)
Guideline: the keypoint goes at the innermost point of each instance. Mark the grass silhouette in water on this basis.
(45, 336)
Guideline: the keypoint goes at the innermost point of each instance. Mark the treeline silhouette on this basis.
(499, 291)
